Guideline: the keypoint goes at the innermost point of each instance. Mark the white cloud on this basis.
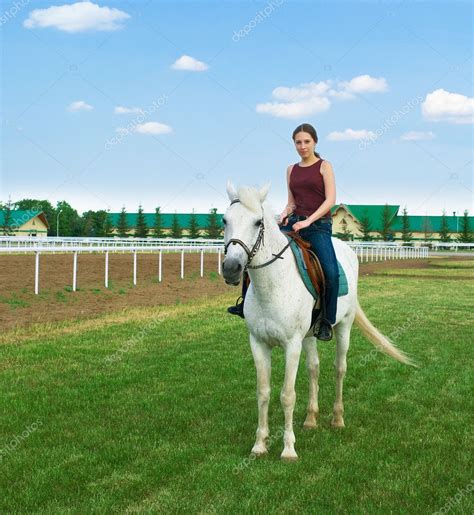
(153, 128)
(315, 97)
(79, 105)
(365, 84)
(351, 135)
(185, 62)
(294, 109)
(417, 136)
(127, 110)
(441, 105)
(77, 17)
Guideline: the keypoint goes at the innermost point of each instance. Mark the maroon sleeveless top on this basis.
(307, 187)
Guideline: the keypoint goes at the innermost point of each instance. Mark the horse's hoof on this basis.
(338, 423)
(258, 452)
(310, 425)
(289, 456)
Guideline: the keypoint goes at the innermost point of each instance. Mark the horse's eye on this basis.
(258, 224)
(224, 221)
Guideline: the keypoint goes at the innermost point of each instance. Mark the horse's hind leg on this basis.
(262, 358)
(312, 365)
(343, 332)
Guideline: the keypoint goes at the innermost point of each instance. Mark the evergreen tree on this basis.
(193, 228)
(427, 229)
(465, 235)
(141, 229)
(108, 226)
(7, 219)
(176, 229)
(213, 229)
(386, 223)
(407, 236)
(444, 229)
(122, 224)
(158, 231)
(365, 226)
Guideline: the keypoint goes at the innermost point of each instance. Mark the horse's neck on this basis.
(270, 277)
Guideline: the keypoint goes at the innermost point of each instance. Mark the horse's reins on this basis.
(259, 241)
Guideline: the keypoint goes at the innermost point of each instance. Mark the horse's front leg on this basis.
(262, 357)
(288, 398)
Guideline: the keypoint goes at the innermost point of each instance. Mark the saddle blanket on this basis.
(343, 286)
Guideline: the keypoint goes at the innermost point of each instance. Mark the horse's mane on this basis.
(250, 198)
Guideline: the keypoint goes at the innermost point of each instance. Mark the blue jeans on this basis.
(318, 234)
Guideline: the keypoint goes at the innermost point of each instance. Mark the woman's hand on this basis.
(301, 225)
(283, 219)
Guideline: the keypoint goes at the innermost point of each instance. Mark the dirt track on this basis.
(20, 307)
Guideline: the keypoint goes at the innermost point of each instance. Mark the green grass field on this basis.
(154, 410)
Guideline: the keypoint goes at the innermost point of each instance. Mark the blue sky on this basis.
(221, 86)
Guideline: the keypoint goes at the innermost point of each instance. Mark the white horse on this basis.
(278, 311)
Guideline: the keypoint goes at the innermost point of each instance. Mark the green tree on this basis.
(345, 235)
(444, 235)
(407, 236)
(70, 223)
(386, 223)
(193, 228)
(108, 226)
(141, 229)
(158, 231)
(427, 229)
(365, 226)
(214, 228)
(7, 219)
(176, 229)
(122, 224)
(88, 223)
(465, 235)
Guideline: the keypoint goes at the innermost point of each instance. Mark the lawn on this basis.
(154, 410)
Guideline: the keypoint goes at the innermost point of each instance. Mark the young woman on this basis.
(311, 195)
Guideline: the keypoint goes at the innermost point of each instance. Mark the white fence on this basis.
(365, 251)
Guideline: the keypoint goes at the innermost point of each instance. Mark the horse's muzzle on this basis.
(232, 271)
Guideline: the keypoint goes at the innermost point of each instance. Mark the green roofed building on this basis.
(19, 222)
(348, 220)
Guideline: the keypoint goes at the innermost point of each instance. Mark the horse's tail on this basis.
(378, 339)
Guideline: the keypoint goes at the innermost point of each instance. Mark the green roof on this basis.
(18, 217)
(166, 219)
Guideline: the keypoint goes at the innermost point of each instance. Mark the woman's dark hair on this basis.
(306, 127)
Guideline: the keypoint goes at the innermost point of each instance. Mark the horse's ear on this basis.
(231, 191)
(263, 192)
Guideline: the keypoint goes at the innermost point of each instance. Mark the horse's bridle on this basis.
(259, 241)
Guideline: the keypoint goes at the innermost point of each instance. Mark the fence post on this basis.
(182, 264)
(202, 263)
(37, 260)
(74, 272)
(159, 266)
(106, 268)
(134, 268)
